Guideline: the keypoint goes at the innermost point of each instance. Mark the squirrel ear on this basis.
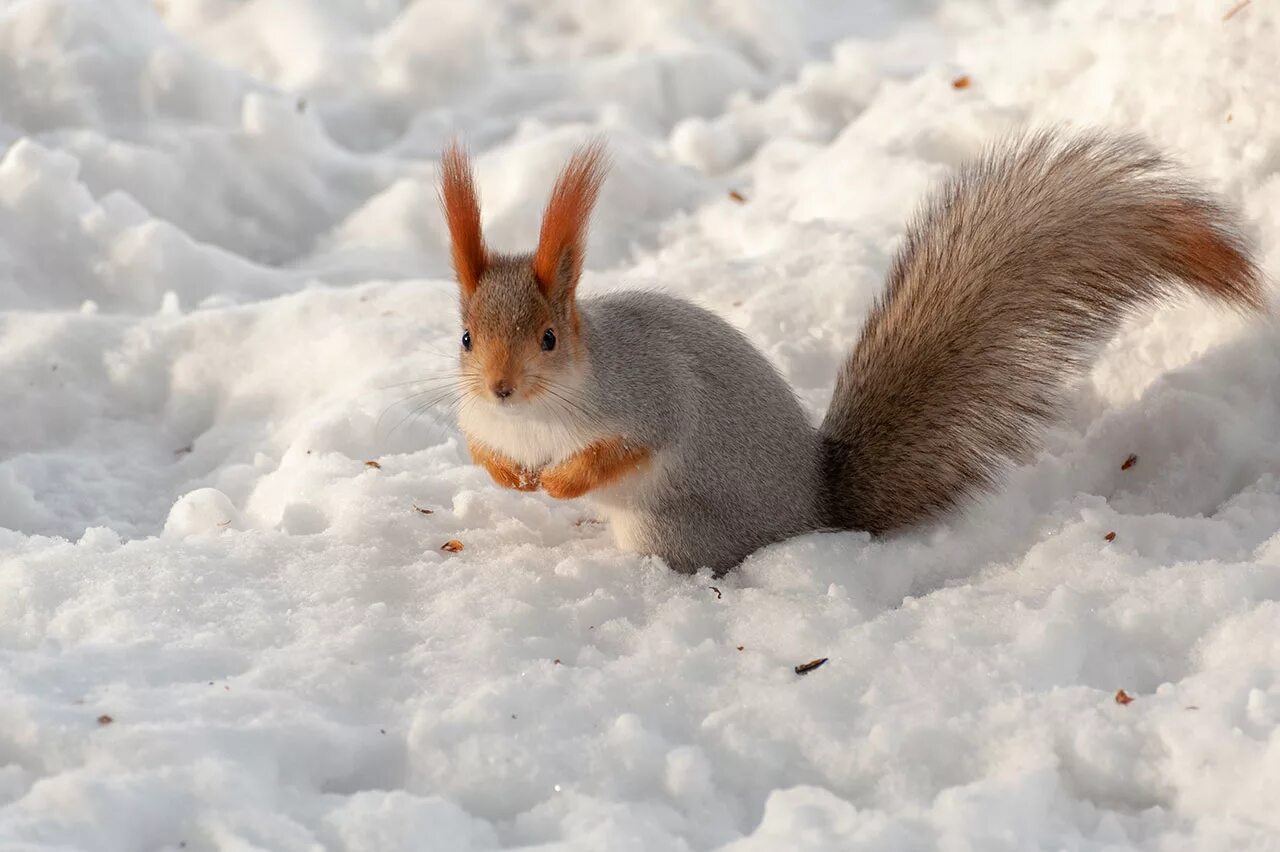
(462, 212)
(558, 261)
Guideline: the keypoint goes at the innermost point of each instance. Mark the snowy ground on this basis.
(221, 259)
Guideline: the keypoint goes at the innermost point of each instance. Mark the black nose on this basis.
(502, 389)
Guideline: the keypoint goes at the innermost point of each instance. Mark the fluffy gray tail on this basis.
(1009, 281)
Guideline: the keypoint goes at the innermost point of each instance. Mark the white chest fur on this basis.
(534, 434)
(539, 433)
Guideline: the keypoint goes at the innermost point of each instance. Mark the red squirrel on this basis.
(1013, 274)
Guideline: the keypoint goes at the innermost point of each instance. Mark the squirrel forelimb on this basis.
(598, 464)
(595, 465)
(505, 472)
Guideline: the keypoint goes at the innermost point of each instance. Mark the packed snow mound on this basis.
(228, 464)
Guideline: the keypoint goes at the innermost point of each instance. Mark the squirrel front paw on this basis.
(505, 472)
(565, 481)
(513, 476)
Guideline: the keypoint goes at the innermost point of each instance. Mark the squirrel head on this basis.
(519, 315)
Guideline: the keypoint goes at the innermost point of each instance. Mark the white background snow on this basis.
(221, 261)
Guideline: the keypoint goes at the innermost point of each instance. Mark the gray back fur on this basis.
(737, 459)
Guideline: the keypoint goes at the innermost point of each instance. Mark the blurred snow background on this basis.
(222, 272)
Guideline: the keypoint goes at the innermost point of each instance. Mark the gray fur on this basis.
(738, 458)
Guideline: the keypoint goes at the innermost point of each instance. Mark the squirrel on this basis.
(1009, 280)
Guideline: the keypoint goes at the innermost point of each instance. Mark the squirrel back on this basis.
(1009, 281)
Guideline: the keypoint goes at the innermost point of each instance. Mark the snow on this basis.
(223, 279)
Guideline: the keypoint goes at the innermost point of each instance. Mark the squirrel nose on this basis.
(502, 389)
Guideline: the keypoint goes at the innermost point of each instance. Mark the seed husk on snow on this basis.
(805, 668)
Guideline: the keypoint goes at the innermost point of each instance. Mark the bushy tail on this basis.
(1010, 279)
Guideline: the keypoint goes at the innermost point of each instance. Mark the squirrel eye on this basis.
(466, 340)
(548, 340)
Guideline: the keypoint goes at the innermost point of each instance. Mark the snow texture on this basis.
(223, 279)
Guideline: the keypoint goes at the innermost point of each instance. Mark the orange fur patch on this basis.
(497, 361)
(504, 471)
(596, 465)
(1202, 254)
(1220, 267)
(500, 361)
(462, 212)
(562, 243)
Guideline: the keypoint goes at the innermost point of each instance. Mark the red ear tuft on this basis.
(462, 211)
(562, 244)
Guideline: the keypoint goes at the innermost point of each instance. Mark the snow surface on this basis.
(223, 279)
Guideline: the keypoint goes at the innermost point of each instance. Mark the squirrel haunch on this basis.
(1013, 275)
